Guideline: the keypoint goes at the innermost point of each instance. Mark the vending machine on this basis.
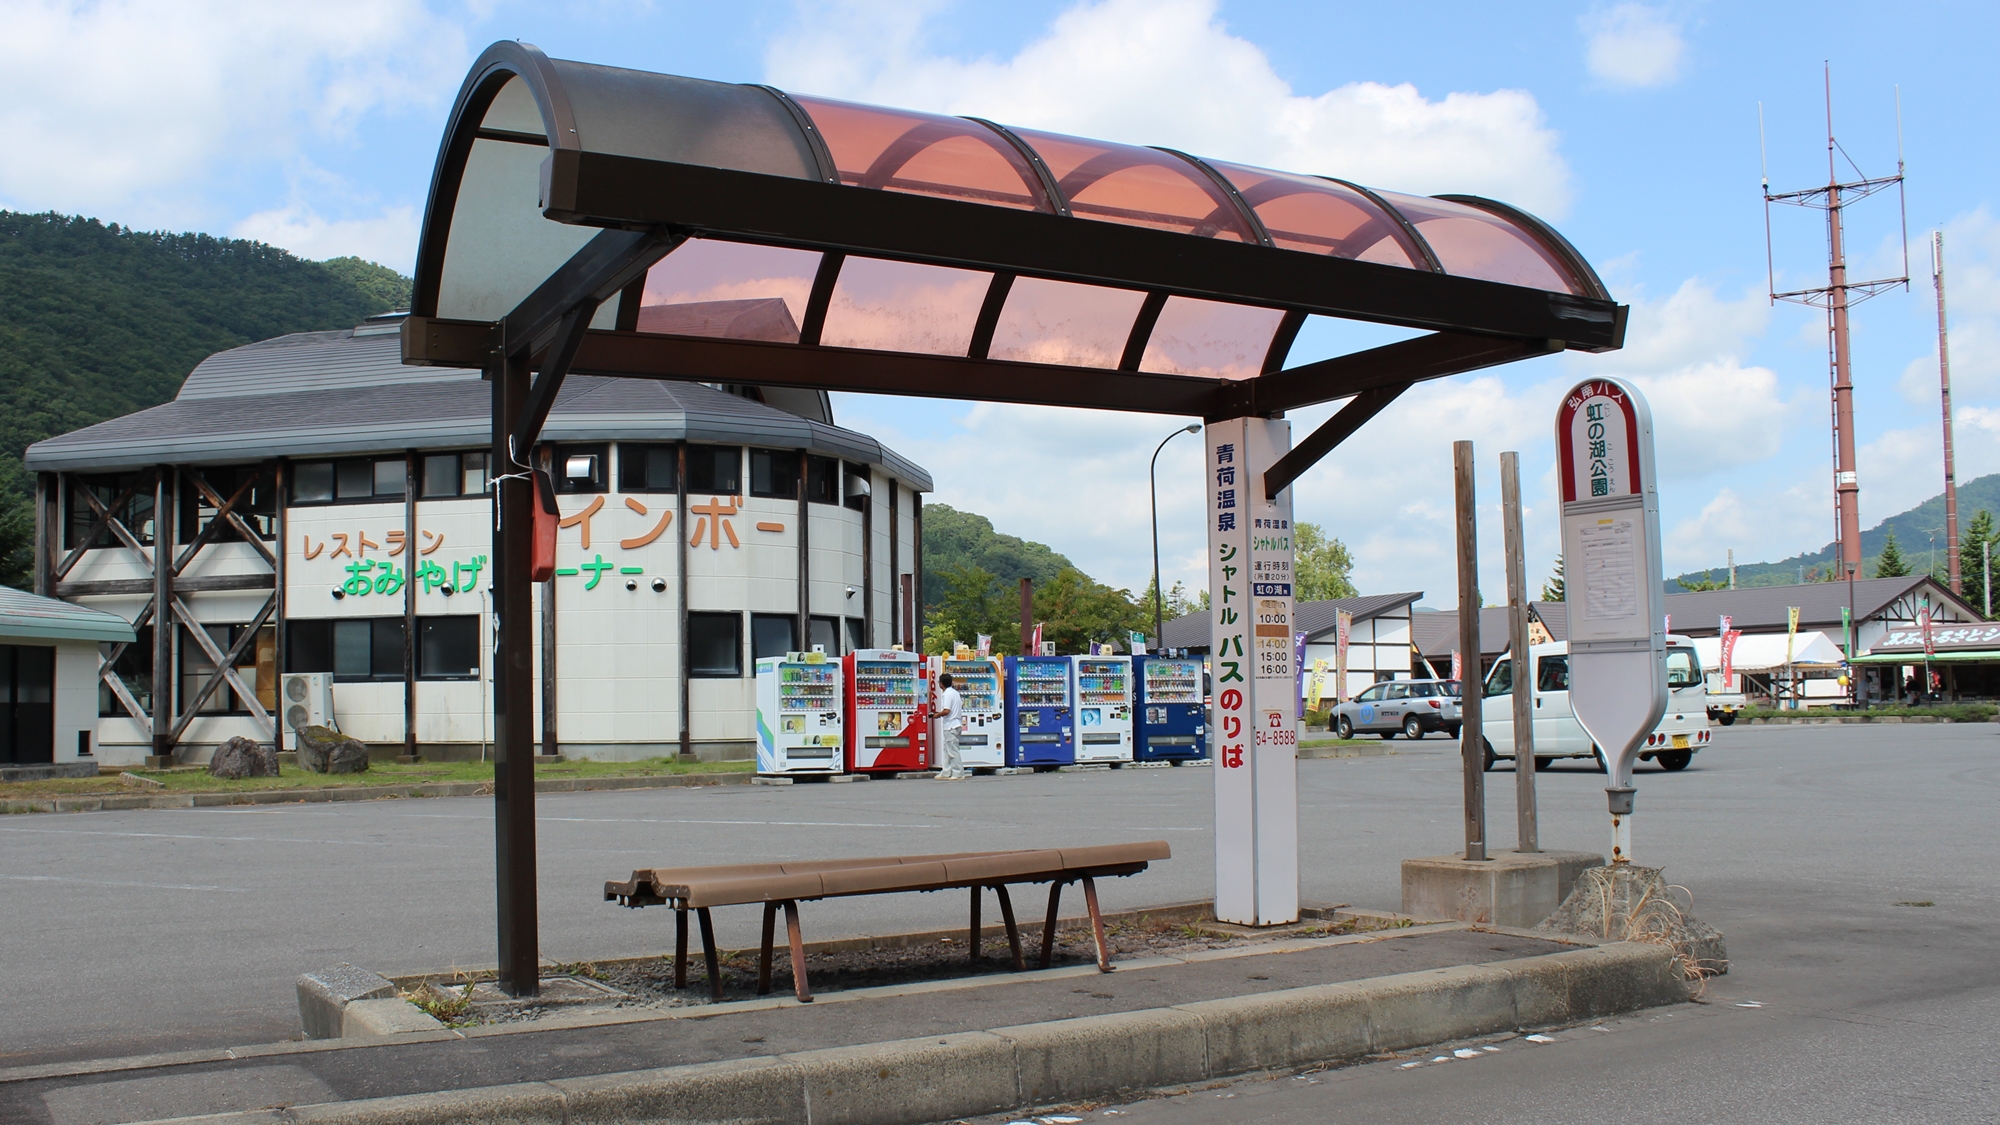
(982, 744)
(1103, 708)
(1040, 725)
(799, 714)
(887, 727)
(1171, 723)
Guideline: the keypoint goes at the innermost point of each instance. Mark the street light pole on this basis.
(1153, 489)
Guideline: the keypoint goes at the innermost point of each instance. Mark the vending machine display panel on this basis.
(1039, 721)
(1103, 708)
(1171, 724)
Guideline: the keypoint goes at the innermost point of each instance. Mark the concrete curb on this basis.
(971, 1073)
(1833, 720)
(362, 793)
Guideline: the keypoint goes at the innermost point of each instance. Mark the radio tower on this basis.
(1837, 296)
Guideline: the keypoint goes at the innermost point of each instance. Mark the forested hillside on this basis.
(100, 320)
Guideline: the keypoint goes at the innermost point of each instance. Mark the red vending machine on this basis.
(888, 727)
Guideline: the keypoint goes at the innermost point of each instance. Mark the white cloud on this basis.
(1124, 70)
(389, 237)
(1633, 46)
(102, 102)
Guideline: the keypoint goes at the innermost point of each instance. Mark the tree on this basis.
(1075, 611)
(1699, 585)
(1552, 590)
(1178, 603)
(1972, 559)
(974, 602)
(1320, 566)
(1891, 563)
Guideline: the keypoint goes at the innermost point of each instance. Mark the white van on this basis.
(1682, 730)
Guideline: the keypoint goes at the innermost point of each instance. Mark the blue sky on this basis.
(1632, 127)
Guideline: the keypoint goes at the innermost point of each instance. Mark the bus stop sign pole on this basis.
(1614, 591)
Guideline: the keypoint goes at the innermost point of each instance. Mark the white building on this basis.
(330, 504)
(48, 684)
(1378, 638)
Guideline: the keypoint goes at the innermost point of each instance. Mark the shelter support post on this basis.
(1256, 729)
(164, 497)
(514, 692)
(1527, 834)
(412, 466)
(1471, 735)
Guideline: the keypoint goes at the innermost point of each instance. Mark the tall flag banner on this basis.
(1299, 673)
(1343, 625)
(1791, 630)
(1847, 632)
(1924, 623)
(1457, 667)
(985, 645)
(1316, 687)
(1035, 643)
(1729, 658)
(1669, 627)
(1138, 643)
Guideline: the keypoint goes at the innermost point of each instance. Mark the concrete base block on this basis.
(325, 995)
(760, 1091)
(1507, 889)
(761, 780)
(840, 778)
(963, 1074)
(391, 1016)
(1070, 1060)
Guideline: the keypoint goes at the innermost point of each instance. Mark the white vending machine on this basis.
(799, 728)
(982, 744)
(1103, 708)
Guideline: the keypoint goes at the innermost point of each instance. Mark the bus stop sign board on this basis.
(1613, 580)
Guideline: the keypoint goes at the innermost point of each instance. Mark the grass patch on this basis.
(1950, 712)
(198, 780)
(1311, 743)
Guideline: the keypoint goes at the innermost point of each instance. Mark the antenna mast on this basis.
(1944, 388)
(1837, 296)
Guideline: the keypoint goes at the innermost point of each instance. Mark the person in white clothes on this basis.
(951, 719)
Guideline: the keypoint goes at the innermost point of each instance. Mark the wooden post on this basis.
(805, 557)
(1527, 835)
(45, 582)
(917, 568)
(681, 554)
(1471, 739)
(411, 464)
(867, 564)
(513, 692)
(163, 615)
(1027, 615)
(895, 562)
(551, 743)
(280, 485)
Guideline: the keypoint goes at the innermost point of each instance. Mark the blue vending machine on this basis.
(1170, 725)
(1041, 721)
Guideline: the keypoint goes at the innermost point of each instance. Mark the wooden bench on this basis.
(786, 885)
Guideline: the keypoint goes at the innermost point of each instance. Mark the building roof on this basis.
(1191, 631)
(1762, 609)
(1435, 632)
(25, 616)
(348, 393)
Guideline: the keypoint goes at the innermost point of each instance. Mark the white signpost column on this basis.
(1255, 732)
(1614, 585)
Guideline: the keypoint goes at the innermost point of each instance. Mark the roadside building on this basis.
(1434, 637)
(48, 683)
(1378, 638)
(327, 511)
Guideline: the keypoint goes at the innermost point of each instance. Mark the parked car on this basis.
(1413, 708)
(1682, 731)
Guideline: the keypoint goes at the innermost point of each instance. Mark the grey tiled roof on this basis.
(1435, 633)
(322, 394)
(1314, 618)
(1761, 609)
(26, 616)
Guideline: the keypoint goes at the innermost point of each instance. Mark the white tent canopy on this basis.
(1763, 652)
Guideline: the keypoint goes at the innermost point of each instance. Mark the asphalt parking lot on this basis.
(165, 929)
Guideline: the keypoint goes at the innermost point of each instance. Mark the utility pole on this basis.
(1837, 297)
(1732, 568)
(1944, 393)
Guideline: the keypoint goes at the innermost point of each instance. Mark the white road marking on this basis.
(109, 883)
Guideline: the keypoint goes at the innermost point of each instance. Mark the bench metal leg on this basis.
(1096, 924)
(1013, 933)
(708, 954)
(799, 985)
(680, 947)
(1049, 927)
(764, 956)
(972, 942)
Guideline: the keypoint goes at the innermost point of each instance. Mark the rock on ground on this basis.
(1625, 902)
(241, 757)
(324, 750)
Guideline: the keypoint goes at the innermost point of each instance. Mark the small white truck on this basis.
(1683, 730)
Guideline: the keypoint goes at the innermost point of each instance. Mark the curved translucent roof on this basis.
(914, 234)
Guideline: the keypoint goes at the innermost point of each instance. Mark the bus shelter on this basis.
(588, 219)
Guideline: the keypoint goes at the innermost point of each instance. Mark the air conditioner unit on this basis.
(308, 700)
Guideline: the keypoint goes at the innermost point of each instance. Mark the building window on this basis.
(857, 634)
(359, 480)
(448, 648)
(353, 649)
(259, 509)
(453, 474)
(715, 644)
(136, 513)
(648, 467)
(822, 480)
(27, 703)
(857, 486)
(774, 473)
(826, 634)
(773, 634)
(256, 658)
(715, 469)
(582, 468)
(135, 667)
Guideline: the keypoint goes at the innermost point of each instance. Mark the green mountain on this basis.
(954, 539)
(102, 320)
(1913, 530)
